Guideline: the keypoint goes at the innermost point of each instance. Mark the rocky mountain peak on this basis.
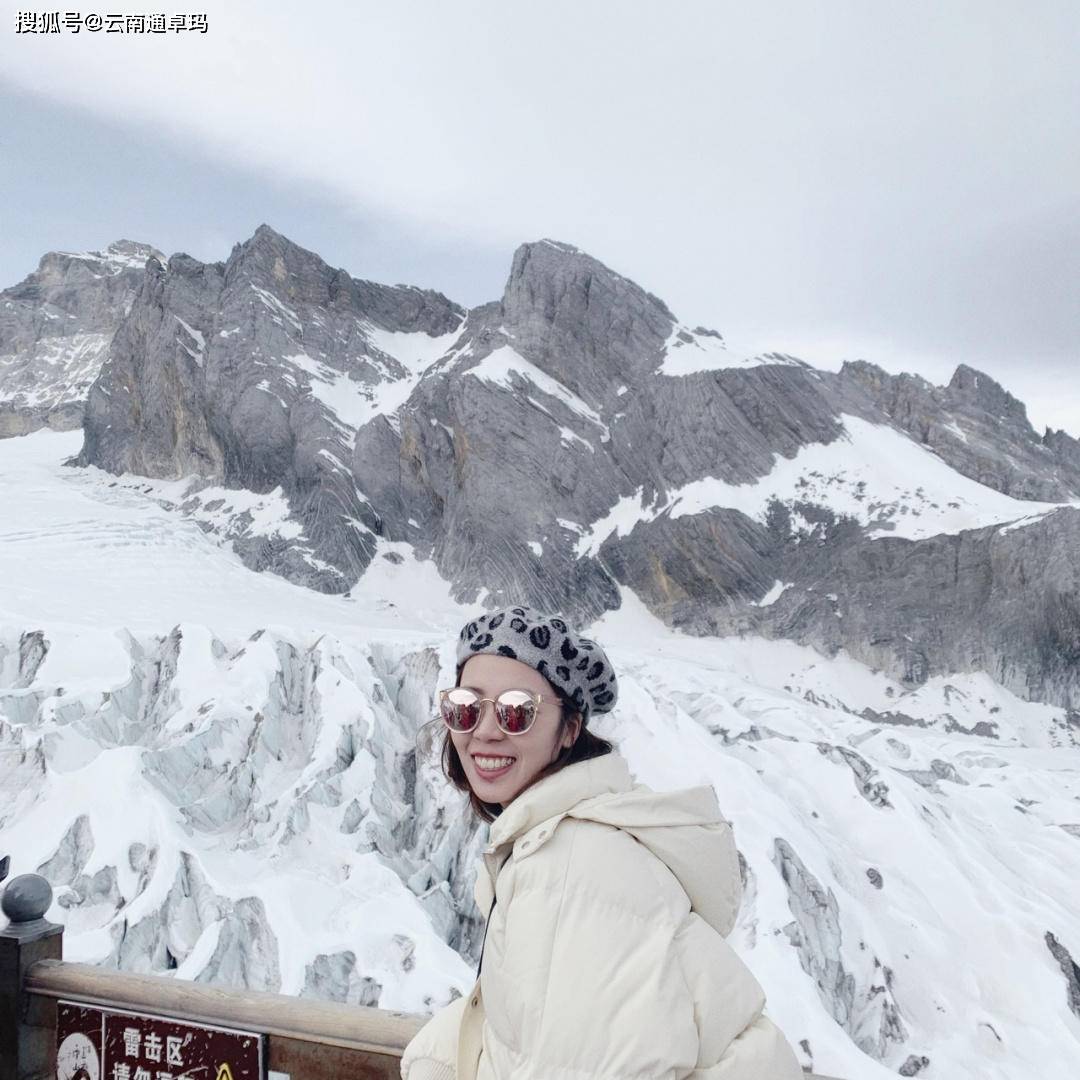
(553, 278)
(282, 268)
(981, 390)
(876, 379)
(579, 320)
(1064, 447)
(130, 249)
(869, 374)
(269, 255)
(266, 233)
(60, 268)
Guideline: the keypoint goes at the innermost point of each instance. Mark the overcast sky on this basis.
(893, 181)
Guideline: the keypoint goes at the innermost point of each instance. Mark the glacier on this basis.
(224, 776)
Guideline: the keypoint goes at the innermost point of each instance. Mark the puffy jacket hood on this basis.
(684, 829)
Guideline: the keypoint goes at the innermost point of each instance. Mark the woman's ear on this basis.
(573, 730)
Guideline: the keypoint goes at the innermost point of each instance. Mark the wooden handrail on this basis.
(352, 1027)
(329, 1023)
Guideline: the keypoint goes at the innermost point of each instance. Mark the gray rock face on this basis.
(1069, 968)
(914, 1064)
(71, 856)
(541, 448)
(580, 322)
(18, 667)
(862, 1006)
(537, 401)
(718, 558)
(246, 954)
(335, 978)
(874, 791)
(939, 770)
(979, 428)
(255, 373)
(55, 329)
(1006, 602)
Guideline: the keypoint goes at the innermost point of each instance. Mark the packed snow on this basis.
(773, 594)
(254, 738)
(198, 352)
(277, 309)
(872, 472)
(354, 402)
(688, 352)
(57, 369)
(504, 365)
(113, 259)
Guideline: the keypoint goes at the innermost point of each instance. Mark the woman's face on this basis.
(489, 676)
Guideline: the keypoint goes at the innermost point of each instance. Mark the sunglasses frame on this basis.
(538, 700)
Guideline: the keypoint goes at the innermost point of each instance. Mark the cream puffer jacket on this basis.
(605, 955)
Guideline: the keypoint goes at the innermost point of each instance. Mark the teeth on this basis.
(492, 763)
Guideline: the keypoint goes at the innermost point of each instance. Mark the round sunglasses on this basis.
(515, 710)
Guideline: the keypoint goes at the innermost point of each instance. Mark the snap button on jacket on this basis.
(605, 955)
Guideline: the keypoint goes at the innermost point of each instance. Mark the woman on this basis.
(608, 902)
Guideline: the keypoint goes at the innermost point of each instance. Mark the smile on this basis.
(490, 767)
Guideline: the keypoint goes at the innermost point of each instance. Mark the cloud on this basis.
(903, 173)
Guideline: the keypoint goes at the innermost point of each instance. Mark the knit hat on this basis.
(574, 664)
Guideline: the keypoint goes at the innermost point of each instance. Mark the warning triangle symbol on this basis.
(224, 1072)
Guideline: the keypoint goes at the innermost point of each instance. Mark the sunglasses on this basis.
(515, 710)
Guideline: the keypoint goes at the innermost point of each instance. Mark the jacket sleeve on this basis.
(432, 1052)
(611, 1001)
(729, 1003)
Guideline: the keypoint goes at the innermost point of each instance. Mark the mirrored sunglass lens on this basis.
(461, 709)
(515, 709)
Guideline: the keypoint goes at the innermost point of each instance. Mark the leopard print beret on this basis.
(574, 664)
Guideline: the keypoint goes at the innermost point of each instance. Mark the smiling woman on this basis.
(534, 727)
(530, 729)
(606, 957)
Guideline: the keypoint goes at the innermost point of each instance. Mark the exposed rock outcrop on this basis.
(55, 330)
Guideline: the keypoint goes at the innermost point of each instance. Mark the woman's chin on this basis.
(500, 788)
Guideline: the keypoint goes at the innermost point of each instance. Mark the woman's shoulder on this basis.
(611, 866)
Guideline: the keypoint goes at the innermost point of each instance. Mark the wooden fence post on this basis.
(27, 1022)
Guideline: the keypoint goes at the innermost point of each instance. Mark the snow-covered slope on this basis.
(187, 747)
(687, 352)
(873, 473)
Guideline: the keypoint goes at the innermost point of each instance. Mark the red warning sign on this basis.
(111, 1044)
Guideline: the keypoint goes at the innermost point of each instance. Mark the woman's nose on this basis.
(488, 725)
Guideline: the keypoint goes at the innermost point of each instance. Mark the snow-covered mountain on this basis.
(848, 600)
(550, 443)
(55, 330)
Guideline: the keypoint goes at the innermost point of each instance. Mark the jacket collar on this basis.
(558, 793)
(684, 829)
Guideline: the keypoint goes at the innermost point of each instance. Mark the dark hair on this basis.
(586, 745)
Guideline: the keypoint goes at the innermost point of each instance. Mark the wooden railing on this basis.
(320, 1040)
(306, 1039)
